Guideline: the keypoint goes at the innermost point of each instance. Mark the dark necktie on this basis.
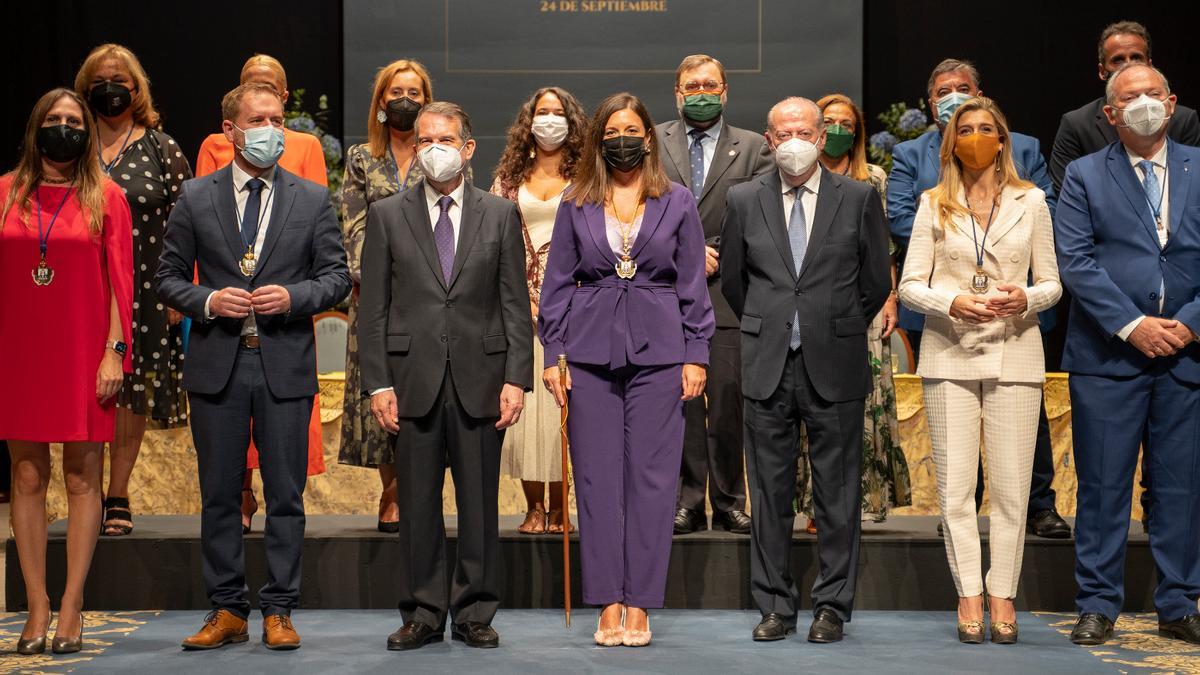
(443, 236)
(251, 216)
(696, 156)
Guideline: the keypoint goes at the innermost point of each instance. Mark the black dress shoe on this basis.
(736, 522)
(1092, 629)
(772, 628)
(475, 634)
(1048, 524)
(413, 635)
(826, 627)
(1186, 629)
(688, 521)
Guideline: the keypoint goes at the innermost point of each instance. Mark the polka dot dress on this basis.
(150, 172)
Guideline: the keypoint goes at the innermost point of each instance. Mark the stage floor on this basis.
(535, 641)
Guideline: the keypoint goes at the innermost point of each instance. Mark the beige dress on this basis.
(531, 449)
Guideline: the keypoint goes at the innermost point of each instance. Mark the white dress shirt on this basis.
(708, 143)
(808, 200)
(1160, 169)
(455, 212)
(240, 194)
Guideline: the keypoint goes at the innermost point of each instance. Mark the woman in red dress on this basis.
(66, 276)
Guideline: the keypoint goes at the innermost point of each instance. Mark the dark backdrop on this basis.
(192, 51)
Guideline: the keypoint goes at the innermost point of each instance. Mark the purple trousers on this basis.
(626, 434)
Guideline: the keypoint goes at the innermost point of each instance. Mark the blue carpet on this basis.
(535, 641)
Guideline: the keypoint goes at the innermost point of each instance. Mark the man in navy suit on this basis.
(915, 168)
(1128, 238)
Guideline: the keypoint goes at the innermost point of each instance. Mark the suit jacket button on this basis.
(443, 338)
(449, 303)
(789, 326)
(1154, 296)
(1162, 258)
(799, 292)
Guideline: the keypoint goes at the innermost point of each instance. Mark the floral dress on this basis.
(366, 180)
(150, 172)
(885, 479)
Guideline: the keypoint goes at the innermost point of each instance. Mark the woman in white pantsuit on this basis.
(980, 235)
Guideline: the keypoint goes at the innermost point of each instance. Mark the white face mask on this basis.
(1144, 116)
(550, 131)
(439, 162)
(795, 156)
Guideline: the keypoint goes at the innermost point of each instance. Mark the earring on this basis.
(380, 116)
(532, 153)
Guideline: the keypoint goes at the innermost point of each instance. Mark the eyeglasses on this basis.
(696, 87)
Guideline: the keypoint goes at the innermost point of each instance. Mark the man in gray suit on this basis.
(447, 355)
(269, 252)
(709, 156)
(805, 266)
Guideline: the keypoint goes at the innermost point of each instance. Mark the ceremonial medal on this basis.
(43, 274)
(626, 267)
(247, 263)
(979, 282)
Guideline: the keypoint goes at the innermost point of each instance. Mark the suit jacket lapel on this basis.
(593, 214)
(651, 217)
(1126, 178)
(226, 209)
(283, 197)
(416, 213)
(1106, 130)
(468, 228)
(1012, 207)
(770, 198)
(829, 197)
(1179, 180)
(675, 143)
(723, 156)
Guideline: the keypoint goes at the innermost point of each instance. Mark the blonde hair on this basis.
(90, 181)
(144, 113)
(270, 63)
(377, 132)
(944, 196)
(858, 150)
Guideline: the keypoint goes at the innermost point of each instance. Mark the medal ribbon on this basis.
(974, 239)
(44, 236)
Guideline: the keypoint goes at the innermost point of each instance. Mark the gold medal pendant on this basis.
(247, 264)
(43, 274)
(979, 281)
(626, 267)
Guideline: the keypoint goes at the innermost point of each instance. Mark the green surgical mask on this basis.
(838, 140)
(701, 107)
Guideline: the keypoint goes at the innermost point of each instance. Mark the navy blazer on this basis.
(916, 167)
(662, 316)
(1110, 260)
(302, 252)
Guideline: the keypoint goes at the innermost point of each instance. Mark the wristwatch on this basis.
(117, 346)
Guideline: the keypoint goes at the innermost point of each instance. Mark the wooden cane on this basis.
(566, 514)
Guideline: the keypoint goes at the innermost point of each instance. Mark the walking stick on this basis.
(566, 515)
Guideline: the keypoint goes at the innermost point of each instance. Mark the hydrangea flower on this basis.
(913, 119)
(302, 123)
(883, 141)
(332, 148)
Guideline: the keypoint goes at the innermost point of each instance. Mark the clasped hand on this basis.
(973, 309)
(237, 303)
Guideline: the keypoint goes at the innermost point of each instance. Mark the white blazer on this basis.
(938, 267)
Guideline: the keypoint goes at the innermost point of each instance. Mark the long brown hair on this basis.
(858, 150)
(517, 160)
(377, 132)
(944, 195)
(144, 113)
(592, 182)
(89, 179)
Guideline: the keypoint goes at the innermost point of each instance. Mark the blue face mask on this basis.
(264, 145)
(947, 104)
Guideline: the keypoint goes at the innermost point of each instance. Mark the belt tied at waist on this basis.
(621, 302)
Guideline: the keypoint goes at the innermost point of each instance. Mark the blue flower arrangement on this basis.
(901, 123)
(298, 119)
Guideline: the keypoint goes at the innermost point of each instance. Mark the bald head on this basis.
(1133, 79)
(795, 109)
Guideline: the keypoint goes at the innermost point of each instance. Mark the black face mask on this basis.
(402, 113)
(624, 153)
(109, 99)
(61, 143)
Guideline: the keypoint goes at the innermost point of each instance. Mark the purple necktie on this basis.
(443, 236)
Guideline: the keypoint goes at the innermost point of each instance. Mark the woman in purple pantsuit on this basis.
(624, 298)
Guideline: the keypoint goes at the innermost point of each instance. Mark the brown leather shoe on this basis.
(278, 633)
(221, 627)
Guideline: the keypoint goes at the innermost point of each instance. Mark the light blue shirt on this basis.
(708, 143)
